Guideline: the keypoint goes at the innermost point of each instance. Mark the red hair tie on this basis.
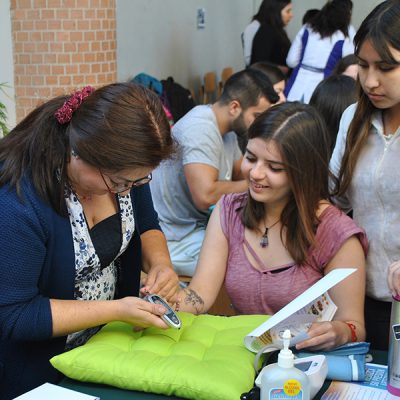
(64, 113)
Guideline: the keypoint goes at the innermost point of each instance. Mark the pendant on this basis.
(264, 240)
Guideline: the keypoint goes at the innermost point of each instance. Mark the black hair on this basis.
(309, 15)
(273, 72)
(331, 97)
(269, 12)
(247, 87)
(334, 16)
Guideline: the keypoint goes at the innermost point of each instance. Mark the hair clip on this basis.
(64, 113)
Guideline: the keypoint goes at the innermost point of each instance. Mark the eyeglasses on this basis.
(117, 187)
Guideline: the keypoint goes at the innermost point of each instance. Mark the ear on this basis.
(234, 108)
(73, 154)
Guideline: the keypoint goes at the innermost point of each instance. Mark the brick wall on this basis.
(60, 45)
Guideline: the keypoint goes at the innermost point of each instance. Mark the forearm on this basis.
(206, 198)
(161, 277)
(154, 250)
(74, 315)
(190, 301)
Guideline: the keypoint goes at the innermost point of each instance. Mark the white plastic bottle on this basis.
(282, 380)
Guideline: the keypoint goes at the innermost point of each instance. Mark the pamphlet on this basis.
(373, 388)
(312, 305)
(50, 391)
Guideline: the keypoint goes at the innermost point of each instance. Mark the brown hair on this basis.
(302, 138)
(119, 126)
(382, 28)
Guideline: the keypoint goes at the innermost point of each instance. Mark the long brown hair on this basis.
(382, 28)
(302, 138)
(119, 126)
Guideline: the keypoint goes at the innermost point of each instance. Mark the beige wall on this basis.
(160, 36)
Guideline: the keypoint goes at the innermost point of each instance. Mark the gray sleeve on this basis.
(201, 143)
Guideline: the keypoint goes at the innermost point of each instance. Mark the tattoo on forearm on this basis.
(193, 299)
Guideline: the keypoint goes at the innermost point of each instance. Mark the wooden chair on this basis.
(208, 90)
(225, 74)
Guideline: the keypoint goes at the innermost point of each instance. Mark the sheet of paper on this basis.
(374, 387)
(50, 391)
(316, 296)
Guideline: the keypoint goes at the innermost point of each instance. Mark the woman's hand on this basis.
(140, 313)
(326, 336)
(393, 278)
(161, 280)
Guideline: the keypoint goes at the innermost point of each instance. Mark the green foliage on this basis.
(3, 114)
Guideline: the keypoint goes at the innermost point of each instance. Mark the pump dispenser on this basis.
(282, 380)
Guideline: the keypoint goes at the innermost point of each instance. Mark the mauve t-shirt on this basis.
(264, 290)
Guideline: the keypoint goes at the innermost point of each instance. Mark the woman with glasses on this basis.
(78, 225)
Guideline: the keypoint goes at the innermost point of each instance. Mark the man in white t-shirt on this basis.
(207, 164)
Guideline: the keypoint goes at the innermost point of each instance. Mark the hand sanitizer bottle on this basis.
(282, 380)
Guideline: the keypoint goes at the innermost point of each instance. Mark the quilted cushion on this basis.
(205, 359)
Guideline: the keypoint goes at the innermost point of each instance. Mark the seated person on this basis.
(208, 164)
(347, 66)
(275, 75)
(271, 243)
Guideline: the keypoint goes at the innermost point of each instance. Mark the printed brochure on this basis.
(312, 305)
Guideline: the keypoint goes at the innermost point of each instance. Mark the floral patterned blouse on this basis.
(92, 280)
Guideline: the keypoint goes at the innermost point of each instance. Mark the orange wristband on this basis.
(352, 330)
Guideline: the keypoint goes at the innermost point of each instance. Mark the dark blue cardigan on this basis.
(36, 264)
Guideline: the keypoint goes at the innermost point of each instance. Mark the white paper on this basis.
(48, 391)
(314, 298)
(373, 388)
(350, 391)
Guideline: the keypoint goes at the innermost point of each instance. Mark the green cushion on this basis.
(205, 359)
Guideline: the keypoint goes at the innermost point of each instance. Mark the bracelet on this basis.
(352, 330)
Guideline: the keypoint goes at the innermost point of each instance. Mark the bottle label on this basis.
(280, 394)
(292, 387)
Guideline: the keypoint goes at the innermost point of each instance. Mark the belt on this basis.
(312, 69)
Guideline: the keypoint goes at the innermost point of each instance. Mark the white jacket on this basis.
(374, 196)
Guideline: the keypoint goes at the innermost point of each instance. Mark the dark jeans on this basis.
(377, 322)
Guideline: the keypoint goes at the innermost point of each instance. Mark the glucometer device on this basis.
(315, 367)
(169, 317)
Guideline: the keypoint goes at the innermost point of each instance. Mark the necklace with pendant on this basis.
(264, 242)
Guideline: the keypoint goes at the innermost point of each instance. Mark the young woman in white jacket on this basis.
(366, 161)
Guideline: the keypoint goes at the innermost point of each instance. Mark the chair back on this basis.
(208, 90)
(225, 75)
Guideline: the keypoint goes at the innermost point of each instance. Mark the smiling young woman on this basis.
(273, 242)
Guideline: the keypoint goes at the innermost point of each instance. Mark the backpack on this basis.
(179, 99)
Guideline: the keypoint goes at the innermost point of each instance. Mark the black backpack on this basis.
(179, 99)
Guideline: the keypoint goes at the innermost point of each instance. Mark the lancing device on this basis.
(169, 317)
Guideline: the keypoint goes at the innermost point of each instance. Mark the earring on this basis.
(73, 153)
